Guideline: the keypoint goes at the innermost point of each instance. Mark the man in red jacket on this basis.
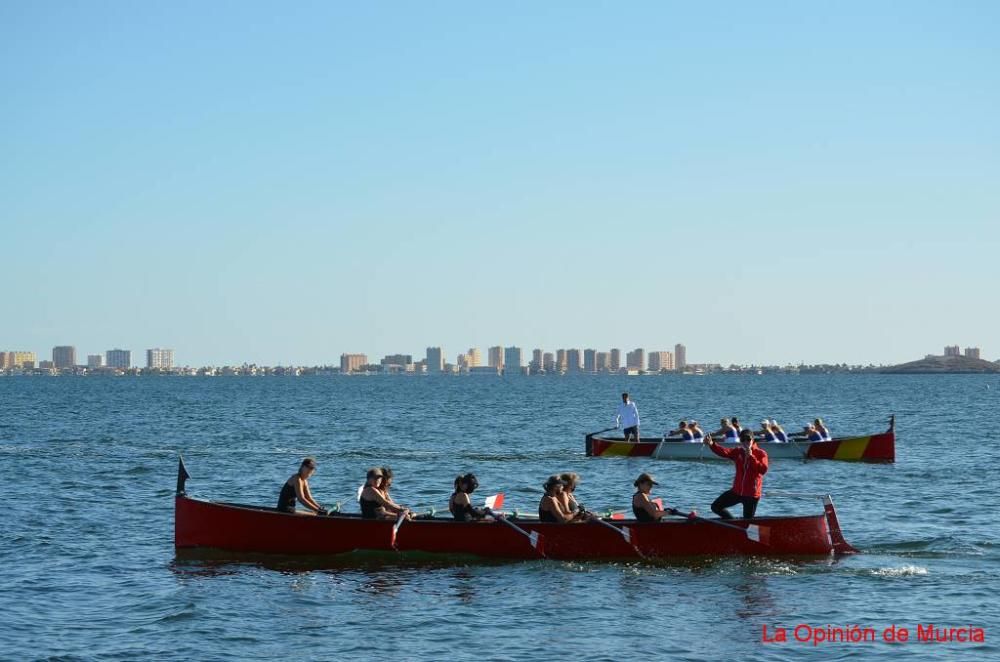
(751, 465)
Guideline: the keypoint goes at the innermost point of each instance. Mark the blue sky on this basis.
(283, 182)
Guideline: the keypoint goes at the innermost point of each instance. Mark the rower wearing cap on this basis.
(642, 506)
(751, 465)
(550, 508)
(460, 504)
(822, 429)
(812, 434)
(374, 502)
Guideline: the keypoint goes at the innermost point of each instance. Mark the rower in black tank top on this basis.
(641, 515)
(546, 516)
(369, 509)
(286, 500)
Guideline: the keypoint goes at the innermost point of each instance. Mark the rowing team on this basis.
(557, 505)
(730, 429)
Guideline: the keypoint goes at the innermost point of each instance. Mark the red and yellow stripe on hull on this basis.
(873, 448)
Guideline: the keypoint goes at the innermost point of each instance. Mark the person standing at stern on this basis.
(751, 465)
(627, 417)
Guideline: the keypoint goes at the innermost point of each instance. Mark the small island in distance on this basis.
(950, 364)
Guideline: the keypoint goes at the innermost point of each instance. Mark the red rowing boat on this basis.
(867, 448)
(208, 525)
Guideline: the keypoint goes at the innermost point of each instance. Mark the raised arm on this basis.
(717, 449)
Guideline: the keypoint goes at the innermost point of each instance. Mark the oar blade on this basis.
(494, 502)
(395, 529)
(536, 541)
(761, 534)
(617, 515)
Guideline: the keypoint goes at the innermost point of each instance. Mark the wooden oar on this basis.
(534, 537)
(624, 532)
(755, 532)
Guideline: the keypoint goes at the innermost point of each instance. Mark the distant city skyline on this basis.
(774, 182)
(513, 358)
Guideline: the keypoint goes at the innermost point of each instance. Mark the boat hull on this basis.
(235, 528)
(870, 448)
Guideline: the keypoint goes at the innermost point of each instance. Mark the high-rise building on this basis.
(661, 361)
(397, 359)
(95, 360)
(616, 360)
(972, 352)
(680, 356)
(64, 356)
(475, 357)
(561, 360)
(636, 359)
(351, 362)
(495, 357)
(162, 359)
(952, 350)
(548, 362)
(603, 361)
(537, 360)
(9, 360)
(512, 360)
(572, 360)
(118, 358)
(435, 360)
(590, 360)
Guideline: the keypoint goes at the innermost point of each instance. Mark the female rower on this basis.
(779, 432)
(766, 432)
(567, 498)
(812, 434)
(697, 434)
(737, 426)
(643, 508)
(728, 431)
(394, 508)
(681, 429)
(822, 429)
(460, 503)
(550, 507)
(297, 487)
(685, 431)
(374, 502)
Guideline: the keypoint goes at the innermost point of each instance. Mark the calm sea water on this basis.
(89, 570)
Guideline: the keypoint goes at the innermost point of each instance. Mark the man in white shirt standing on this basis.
(627, 417)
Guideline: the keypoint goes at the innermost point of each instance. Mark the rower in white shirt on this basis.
(627, 417)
